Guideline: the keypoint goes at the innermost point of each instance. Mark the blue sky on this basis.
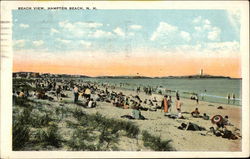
(126, 30)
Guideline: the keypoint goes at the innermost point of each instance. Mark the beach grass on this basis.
(155, 142)
(37, 129)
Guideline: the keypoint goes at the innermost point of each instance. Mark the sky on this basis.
(127, 42)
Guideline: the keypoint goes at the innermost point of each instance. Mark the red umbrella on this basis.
(216, 119)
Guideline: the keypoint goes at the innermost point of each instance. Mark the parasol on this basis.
(216, 119)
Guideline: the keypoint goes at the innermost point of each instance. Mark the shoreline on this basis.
(162, 126)
(215, 102)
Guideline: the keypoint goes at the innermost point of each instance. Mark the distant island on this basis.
(44, 75)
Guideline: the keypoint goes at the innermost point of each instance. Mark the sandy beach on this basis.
(160, 125)
(183, 140)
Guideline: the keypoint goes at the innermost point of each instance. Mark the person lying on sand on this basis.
(136, 114)
(205, 116)
(172, 116)
(191, 126)
(223, 133)
(146, 107)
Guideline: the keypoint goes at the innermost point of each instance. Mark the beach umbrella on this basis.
(216, 119)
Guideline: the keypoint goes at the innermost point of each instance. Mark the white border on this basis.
(6, 76)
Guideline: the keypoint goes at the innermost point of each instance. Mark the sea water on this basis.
(211, 90)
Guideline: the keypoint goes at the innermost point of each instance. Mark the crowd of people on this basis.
(89, 94)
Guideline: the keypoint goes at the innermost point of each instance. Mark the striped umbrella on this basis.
(216, 119)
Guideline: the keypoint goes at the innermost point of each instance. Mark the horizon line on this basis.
(128, 75)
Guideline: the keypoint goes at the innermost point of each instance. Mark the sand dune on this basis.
(166, 128)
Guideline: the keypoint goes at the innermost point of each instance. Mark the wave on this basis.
(215, 96)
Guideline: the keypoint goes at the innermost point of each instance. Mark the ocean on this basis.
(211, 90)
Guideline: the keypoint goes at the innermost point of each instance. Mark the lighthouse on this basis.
(201, 73)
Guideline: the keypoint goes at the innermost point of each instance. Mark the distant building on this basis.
(201, 73)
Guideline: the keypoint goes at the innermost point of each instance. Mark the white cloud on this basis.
(84, 29)
(164, 29)
(86, 44)
(53, 31)
(185, 35)
(131, 34)
(89, 24)
(38, 43)
(63, 41)
(212, 49)
(224, 46)
(19, 43)
(214, 34)
(167, 33)
(24, 26)
(197, 28)
(234, 16)
(100, 34)
(197, 19)
(206, 21)
(77, 25)
(119, 32)
(135, 27)
(67, 25)
(205, 29)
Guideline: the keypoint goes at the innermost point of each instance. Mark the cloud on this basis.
(185, 35)
(38, 43)
(211, 49)
(230, 46)
(166, 34)
(234, 17)
(100, 34)
(214, 34)
(205, 30)
(164, 29)
(84, 30)
(135, 27)
(86, 44)
(119, 32)
(53, 31)
(131, 34)
(63, 41)
(24, 26)
(19, 43)
(66, 24)
(197, 20)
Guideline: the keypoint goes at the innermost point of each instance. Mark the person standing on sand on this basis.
(177, 94)
(228, 98)
(164, 104)
(197, 99)
(76, 94)
(58, 92)
(233, 95)
(87, 93)
(178, 107)
(169, 101)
